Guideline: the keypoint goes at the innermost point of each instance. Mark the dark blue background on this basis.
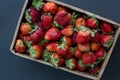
(16, 68)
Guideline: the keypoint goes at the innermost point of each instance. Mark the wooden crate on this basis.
(116, 25)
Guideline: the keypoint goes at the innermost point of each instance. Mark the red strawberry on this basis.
(52, 47)
(80, 22)
(52, 34)
(63, 18)
(88, 58)
(83, 35)
(62, 50)
(20, 46)
(74, 37)
(84, 47)
(37, 35)
(71, 63)
(93, 70)
(39, 25)
(78, 54)
(50, 7)
(96, 38)
(32, 15)
(70, 53)
(36, 51)
(80, 66)
(67, 31)
(61, 8)
(101, 54)
(68, 40)
(20, 36)
(106, 40)
(46, 21)
(95, 46)
(56, 60)
(25, 28)
(106, 27)
(92, 23)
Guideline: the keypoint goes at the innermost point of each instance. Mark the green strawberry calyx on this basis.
(74, 16)
(69, 64)
(54, 61)
(38, 4)
(32, 52)
(27, 15)
(46, 55)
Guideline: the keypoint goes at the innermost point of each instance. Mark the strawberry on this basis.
(106, 40)
(84, 47)
(20, 36)
(62, 49)
(67, 31)
(106, 27)
(88, 58)
(38, 4)
(32, 15)
(100, 54)
(95, 46)
(74, 37)
(52, 47)
(56, 60)
(96, 37)
(70, 52)
(68, 40)
(46, 21)
(63, 18)
(61, 8)
(80, 66)
(93, 70)
(37, 35)
(52, 34)
(50, 7)
(80, 22)
(92, 23)
(36, 51)
(71, 63)
(78, 53)
(83, 35)
(25, 28)
(20, 46)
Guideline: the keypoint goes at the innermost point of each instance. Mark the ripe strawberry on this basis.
(71, 63)
(67, 31)
(74, 37)
(84, 47)
(83, 35)
(68, 40)
(80, 22)
(92, 23)
(70, 53)
(37, 35)
(52, 34)
(25, 28)
(61, 8)
(93, 70)
(63, 18)
(95, 46)
(46, 21)
(78, 54)
(56, 60)
(52, 47)
(32, 15)
(106, 40)
(20, 36)
(50, 7)
(62, 50)
(100, 54)
(106, 27)
(96, 38)
(80, 66)
(88, 58)
(20, 46)
(36, 51)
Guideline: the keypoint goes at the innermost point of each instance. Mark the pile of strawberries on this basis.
(64, 37)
